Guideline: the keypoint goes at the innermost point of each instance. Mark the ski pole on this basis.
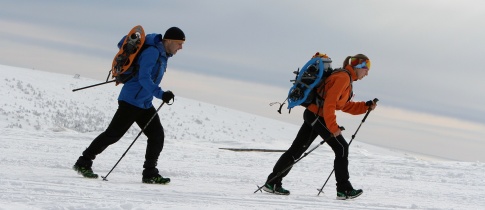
(353, 136)
(93, 85)
(104, 177)
(291, 165)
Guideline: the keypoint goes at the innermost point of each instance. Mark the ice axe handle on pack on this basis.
(281, 105)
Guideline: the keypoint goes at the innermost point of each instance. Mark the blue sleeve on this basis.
(148, 63)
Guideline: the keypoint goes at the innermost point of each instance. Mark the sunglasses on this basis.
(360, 63)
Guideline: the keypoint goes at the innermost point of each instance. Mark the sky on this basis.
(241, 54)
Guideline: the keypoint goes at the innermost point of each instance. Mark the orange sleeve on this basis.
(355, 108)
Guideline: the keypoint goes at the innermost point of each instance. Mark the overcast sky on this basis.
(426, 55)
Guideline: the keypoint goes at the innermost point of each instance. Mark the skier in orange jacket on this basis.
(320, 120)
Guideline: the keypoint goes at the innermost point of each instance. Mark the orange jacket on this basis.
(336, 92)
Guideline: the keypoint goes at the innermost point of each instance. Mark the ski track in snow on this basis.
(45, 127)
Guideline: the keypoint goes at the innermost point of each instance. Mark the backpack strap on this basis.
(320, 94)
(133, 70)
(159, 61)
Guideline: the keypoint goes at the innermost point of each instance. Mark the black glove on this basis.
(369, 103)
(372, 104)
(167, 96)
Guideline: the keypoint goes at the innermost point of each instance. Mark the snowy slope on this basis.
(45, 126)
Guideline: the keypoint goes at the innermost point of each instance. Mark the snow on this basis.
(45, 126)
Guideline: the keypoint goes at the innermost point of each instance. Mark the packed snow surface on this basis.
(44, 127)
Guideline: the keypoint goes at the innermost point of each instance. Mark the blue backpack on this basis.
(307, 80)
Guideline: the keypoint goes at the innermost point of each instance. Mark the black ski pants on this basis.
(124, 117)
(312, 127)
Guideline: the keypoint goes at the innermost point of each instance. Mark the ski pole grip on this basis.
(375, 102)
(368, 111)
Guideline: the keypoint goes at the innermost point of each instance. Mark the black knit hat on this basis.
(174, 33)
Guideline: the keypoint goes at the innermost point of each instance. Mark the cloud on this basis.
(425, 53)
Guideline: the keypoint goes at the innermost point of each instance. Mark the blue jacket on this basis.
(140, 90)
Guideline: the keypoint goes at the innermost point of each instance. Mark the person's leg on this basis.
(341, 149)
(341, 163)
(122, 120)
(300, 144)
(154, 132)
(155, 135)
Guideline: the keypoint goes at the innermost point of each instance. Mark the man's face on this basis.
(172, 46)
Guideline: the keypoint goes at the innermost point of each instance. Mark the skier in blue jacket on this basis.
(135, 105)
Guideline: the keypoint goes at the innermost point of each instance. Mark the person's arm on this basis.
(148, 62)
